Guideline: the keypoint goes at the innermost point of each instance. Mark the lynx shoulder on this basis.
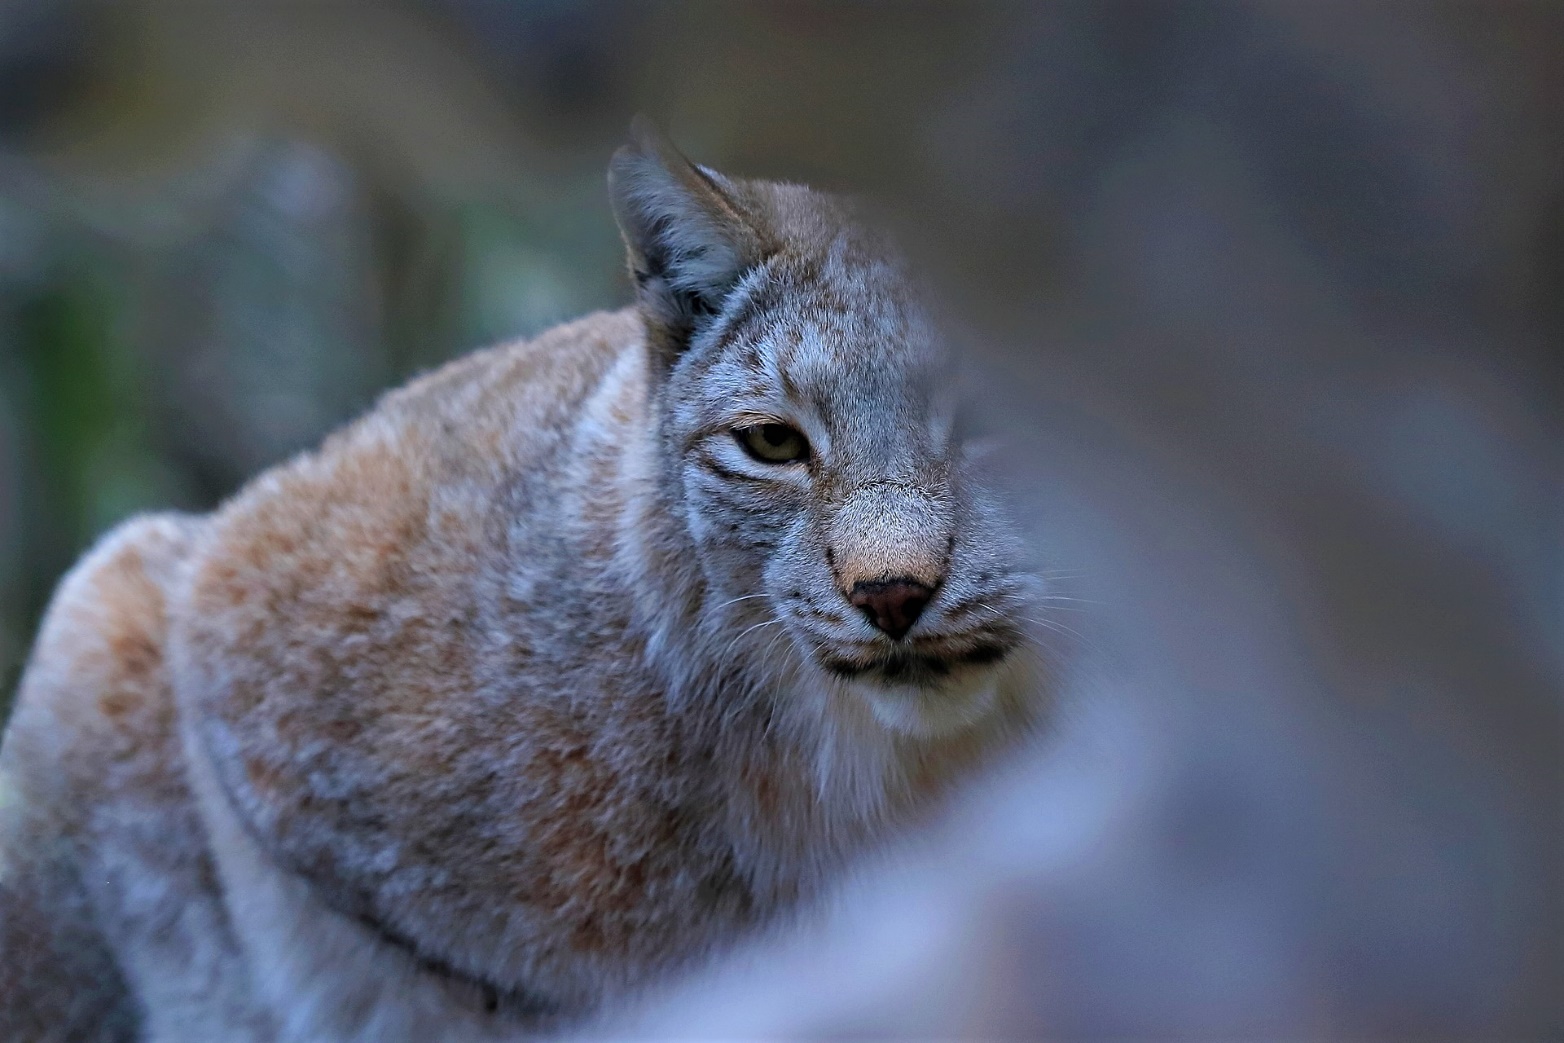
(565, 666)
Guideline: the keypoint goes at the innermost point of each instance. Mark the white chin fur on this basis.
(931, 711)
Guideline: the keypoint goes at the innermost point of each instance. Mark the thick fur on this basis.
(530, 687)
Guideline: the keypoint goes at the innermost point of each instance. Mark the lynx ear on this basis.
(688, 237)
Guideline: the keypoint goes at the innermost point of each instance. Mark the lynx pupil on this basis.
(773, 443)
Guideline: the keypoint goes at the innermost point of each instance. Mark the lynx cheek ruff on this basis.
(565, 666)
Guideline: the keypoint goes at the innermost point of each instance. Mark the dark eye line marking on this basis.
(716, 466)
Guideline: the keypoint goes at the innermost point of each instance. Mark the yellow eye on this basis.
(773, 443)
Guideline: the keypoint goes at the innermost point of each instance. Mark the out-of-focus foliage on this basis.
(224, 231)
(1270, 298)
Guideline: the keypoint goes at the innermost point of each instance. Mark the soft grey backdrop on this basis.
(1267, 298)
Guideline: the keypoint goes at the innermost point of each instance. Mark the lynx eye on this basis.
(773, 443)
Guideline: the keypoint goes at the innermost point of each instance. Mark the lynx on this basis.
(564, 667)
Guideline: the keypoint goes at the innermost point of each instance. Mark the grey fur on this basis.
(532, 687)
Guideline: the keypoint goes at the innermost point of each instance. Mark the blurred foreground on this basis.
(1266, 300)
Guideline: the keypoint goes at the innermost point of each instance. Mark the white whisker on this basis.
(743, 634)
(735, 601)
(1059, 627)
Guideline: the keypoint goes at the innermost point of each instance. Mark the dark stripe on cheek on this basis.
(967, 606)
(709, 460)
(984, 654)
(845, 667)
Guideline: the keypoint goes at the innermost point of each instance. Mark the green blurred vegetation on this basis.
(226, 227)
(87, 459)
(1270, 294)
(86, 401)
(94, 405)
(206, 263)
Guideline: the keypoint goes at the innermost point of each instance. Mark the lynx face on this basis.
(820, 472)
(806, 410)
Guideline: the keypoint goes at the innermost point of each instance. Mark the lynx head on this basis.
(807, 417)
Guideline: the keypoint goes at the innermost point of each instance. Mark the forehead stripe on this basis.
(754, 295)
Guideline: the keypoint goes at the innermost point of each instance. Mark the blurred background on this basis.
(1267, 299)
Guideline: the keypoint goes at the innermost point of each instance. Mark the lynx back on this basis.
(561, 669)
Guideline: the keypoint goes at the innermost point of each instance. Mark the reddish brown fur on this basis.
(436, 729)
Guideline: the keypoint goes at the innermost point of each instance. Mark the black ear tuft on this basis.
(689, 239)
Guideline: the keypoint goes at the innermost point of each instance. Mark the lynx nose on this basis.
(892, 605)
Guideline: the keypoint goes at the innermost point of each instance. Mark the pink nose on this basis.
(893, 605)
